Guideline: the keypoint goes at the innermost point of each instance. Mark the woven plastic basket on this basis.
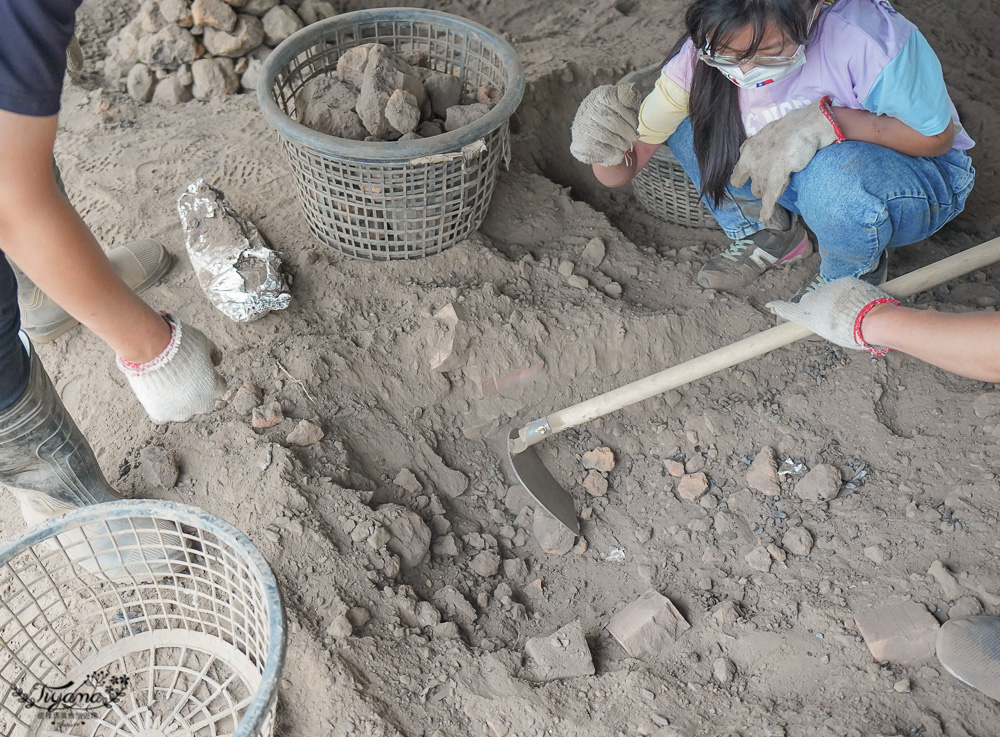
(662, 187)
(398, 200)
(123, 630)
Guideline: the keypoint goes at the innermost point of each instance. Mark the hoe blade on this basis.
(537, 481)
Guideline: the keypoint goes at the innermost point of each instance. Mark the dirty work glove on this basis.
(606, 124)
(783, 147)
(835, 311)
(181, 382)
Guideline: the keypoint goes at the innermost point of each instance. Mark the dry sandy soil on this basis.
(351, 353)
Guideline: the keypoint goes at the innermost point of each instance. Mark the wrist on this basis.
(826, 107)
(874, 324)
(163, 342)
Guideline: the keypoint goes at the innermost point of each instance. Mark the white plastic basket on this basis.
(95, 621)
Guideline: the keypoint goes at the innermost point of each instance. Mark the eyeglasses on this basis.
(721, 60)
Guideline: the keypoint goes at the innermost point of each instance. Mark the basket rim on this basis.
(257, 711)
(395, 151)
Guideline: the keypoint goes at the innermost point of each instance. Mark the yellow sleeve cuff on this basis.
(663, 110)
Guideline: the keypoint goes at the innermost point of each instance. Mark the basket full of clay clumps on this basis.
(394, 122)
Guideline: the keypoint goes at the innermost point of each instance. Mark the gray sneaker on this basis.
(876, 277)
(747, 258)
(969, 649)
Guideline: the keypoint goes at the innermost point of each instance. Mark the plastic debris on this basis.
(240, 275)
(615, 554)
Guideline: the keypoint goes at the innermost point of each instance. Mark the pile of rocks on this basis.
(380, 95)
(176, 50)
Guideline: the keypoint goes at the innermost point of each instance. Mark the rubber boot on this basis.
(49, 466)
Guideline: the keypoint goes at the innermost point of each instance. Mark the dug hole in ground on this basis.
(418, 627)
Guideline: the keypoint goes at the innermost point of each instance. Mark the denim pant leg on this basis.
(860, 198)
(739, 212)
(13, 359)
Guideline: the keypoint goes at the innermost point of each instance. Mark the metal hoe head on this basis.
(532, 474)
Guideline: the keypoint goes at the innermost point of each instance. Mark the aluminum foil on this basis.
(238, 272)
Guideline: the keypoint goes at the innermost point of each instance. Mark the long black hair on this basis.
(714, 103)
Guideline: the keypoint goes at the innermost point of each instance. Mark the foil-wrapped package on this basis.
(239, 273)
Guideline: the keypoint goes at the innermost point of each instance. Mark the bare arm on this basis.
(861, 125)
(966, 343)
(623, 173)
(42, 233)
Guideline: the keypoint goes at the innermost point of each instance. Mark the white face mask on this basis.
(762, 74)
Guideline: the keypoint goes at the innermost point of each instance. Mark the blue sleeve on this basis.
(911, 88)
(34, 35)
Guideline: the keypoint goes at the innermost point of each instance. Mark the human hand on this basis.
(783, 147)
(182, 381)
(835, 311)
(606, 124)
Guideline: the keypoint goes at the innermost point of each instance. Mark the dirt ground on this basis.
(351, 353)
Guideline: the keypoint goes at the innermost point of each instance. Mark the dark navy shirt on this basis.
(34, 35)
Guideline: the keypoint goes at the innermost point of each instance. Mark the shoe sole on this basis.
(48, 333)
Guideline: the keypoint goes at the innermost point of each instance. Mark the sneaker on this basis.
(969, 649)
(748, 258)
(876, 277)
(140, 264)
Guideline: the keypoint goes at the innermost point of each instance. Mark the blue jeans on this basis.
(858, 198)
(13, 359)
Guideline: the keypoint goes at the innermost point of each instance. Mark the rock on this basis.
(759, 559)
(515, 569)
(488, 94)
(902, 686)
(411, 538)
(595, 484)
(965, 606)
(213, 14)
(763, 473)
(214, 77)
(171, 90)
(255, 62)
(405, 479)
(150, 18)
(358, 616)
(411, 136)
(446, 545)
(246, 35)
(326, 104)
(581, 546)
(647, 626)
(613, 289)
(459, 116)
(723, 670)
(797, 541)
(352, 64)
(158, 467)
(552, 535)
(312, 11)
(429, 129)
(384, 74)
(563, 654)
(340, 628)
(600, 459)
(593, 253)
(140, 83)
(455, 605)
(728, 612)
(692, 486)
(168, 48)
(177, 12)
(875, 554)
(305, 433)
(486, 563)
(674, 468)
(444, 91)
(903, 634)
(821, 484)
(266, 416)
(949, 584)
(280, 22)
(578, 282)
(247, 398)
(987, 405)
(566, 268)
(402, 111)
(259, 8)
(378, 537)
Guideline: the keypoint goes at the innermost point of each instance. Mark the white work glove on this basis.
(606, 124)
(835, 311)
(783, 147)
(182, 381)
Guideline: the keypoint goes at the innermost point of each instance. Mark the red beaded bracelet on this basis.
(859, 338)
(826, 106)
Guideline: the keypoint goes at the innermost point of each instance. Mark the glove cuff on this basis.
(826, 107)
(876, 352)
(144, 369)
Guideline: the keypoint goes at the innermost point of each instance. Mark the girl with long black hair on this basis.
(831, 112)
